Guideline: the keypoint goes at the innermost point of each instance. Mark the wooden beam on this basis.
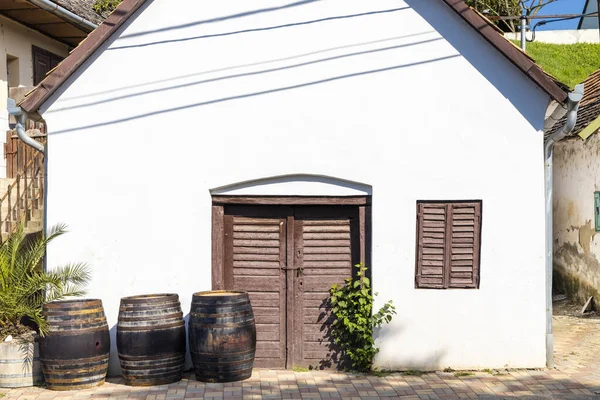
(218, 248)
(299, 200)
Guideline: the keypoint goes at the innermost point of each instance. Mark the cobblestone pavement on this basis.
(577, 375)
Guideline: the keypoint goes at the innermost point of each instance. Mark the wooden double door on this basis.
(287, 258)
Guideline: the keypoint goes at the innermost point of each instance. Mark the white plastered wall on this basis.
(16, 42)
(366, 92)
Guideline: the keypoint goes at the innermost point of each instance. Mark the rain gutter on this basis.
(65, 14)
(21, 116)
(572, 107)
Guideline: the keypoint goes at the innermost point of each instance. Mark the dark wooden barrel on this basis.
(151, 339)
(74, 352)
(222, 336)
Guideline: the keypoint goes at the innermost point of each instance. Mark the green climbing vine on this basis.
(354, 321)
(102, 6)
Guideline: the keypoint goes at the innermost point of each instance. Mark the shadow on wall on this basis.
(296, 83)
(114, 368)
(481, 56)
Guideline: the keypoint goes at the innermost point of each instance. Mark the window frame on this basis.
(447, 245)
(597, 211)
(53, 61)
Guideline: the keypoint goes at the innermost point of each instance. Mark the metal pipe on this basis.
(65, 14)
(523, 32)
(21, 117)
(573, 101)
(551, 16)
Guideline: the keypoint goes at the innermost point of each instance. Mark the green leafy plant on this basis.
(353, 324)
(413, 372)
(103, 6)
(24, 287)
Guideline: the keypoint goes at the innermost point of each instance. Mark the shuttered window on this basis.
(43, 62)
(448, 244)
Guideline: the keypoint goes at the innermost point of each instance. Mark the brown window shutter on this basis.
(448, 245)
(431, 236)
(43, 62)
(463, 263)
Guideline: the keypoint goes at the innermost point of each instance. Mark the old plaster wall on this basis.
(576, 245)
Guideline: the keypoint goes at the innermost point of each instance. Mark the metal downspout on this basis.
(573, 101)
(65, 14)
(21, 117)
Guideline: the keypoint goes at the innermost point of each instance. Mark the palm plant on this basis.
(25, 287)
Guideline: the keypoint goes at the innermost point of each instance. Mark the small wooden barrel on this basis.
(222, 336)
(74, 352)
(20, 364)
(151, 339)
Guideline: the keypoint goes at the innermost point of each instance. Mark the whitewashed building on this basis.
(271, 146)
(577, 201)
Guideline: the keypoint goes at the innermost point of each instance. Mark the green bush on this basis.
(25, 288)
(353, 324)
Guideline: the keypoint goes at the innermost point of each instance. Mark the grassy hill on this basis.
(569, 63)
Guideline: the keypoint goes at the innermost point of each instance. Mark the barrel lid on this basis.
(78, 302)
(152, 297)
(219, 293)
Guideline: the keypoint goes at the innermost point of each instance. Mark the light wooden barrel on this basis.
(20, 365)
(222, 336)
(75, 351)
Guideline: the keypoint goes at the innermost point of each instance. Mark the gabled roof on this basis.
(127, 8)
(589, 108)
(67, 21)
(83, 8)
(514, 54)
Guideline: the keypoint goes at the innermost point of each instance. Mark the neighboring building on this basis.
(269, 147)
(563, 36)
(591, 6)
(33, 40)
(577, 201)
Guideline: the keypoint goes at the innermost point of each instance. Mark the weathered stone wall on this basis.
(576, 246)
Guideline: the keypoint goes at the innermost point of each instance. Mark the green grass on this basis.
(569, 63)
(300, 369)
(381, 372)
(413, 372)
(463, 373)
(489, 371)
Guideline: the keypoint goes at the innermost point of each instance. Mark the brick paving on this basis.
(577, 375)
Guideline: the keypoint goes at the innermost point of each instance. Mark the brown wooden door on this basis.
(287, 258)
(255, 255)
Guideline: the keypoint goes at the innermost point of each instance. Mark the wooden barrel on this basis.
(74, 352)
(151, 339)
(222, 336)
(20, 364)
